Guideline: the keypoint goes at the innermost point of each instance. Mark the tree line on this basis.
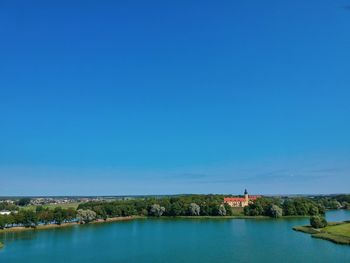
(334, 202)
(276, 207)
(189, 205)
(186, 205)
(31, 218)
(44, 216)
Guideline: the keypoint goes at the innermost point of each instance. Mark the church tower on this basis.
(246, 196)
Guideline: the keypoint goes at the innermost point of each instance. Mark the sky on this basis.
(169, 97)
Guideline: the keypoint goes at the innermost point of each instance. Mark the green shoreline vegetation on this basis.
(26, 216)
(336, 232)
(65, 225)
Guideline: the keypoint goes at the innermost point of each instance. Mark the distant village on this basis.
(66, 201)
(10, 205)
(13, 202)
(57, 201)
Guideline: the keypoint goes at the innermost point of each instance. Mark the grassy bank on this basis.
(337, 232)
(306, 229)
(52, 226)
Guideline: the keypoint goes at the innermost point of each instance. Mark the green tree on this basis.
(70, 214)
(2, 221)
(176, 209)
(58, 215)
(29, 218)
(18, 218)
(318, 222)
(276, 211)
(255, 209)
(194, 209)
(10, 219)
(346, 205)
(289, 208)
(23, 201)
(100, 212)
(45, 216)
(222, 210)
(8, 206)
(86, 216)
(156, 210)
(313, 210)
(334, 204)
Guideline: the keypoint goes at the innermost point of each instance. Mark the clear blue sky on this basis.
(163, 97)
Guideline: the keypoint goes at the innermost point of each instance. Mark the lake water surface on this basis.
(180, 240)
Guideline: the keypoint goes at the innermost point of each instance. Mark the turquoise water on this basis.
(181, 240)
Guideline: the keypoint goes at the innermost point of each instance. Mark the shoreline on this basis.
(326, 233)
(53, 226)
(129, 218)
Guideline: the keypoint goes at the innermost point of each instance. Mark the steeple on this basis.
(246, 197)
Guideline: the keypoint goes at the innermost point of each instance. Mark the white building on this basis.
(4, 212)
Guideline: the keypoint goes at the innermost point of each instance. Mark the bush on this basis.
(222, 210)
(276, 211)
(194, 209)
(23, 201)
(156, 210)
(86, 216)
(318, 222)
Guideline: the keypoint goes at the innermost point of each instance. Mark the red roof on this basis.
(240, 199)
(234, 199)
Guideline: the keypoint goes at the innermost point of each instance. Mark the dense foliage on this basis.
(86, 216)
(23, 201)
(334, 201)
(30, 218)
(276, 211)
(5, 206)
(186, 205)
(318, 222)
(194, 209)
(276, 207)
(191, 205)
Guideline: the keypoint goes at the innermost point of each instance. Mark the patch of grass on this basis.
(338, 229)
(306, 229)
(337, 232)
(53, 206)
(64, 225)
